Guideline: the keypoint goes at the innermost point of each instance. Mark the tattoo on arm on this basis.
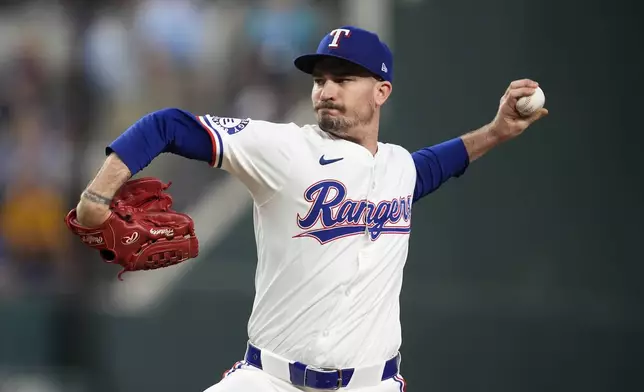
(95, 197)
(112, 175)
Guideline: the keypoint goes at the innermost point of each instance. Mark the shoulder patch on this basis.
(228, 124)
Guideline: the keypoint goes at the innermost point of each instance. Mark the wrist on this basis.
(90, 214)
(497, 133)
(493, 132)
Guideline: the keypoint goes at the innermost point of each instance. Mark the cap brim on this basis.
(307, 62)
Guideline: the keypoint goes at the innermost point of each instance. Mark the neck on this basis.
(361, 136)
(370, 143)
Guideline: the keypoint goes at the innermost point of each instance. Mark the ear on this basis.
(382, 91)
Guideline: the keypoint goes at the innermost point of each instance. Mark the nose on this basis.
(328, 91)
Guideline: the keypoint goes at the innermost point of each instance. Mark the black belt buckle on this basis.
(338, 383)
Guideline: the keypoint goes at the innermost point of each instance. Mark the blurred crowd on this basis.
(74, 75)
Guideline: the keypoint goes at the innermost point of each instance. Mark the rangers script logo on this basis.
(341, 217)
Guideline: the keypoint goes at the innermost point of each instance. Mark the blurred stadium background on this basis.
(523, 275)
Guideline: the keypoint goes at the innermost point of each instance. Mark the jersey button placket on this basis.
(362, 256)
(370, 190)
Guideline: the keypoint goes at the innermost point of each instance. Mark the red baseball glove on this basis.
(143, 232)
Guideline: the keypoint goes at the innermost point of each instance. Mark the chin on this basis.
(325, 126)
(329, 120)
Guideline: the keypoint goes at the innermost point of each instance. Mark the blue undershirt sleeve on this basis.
(168, 130)
(437, 164)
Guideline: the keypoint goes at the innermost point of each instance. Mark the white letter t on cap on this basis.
(337, 33)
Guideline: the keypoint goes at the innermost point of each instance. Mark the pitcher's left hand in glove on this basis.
(142, 231)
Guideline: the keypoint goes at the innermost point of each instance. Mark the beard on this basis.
(341, 123)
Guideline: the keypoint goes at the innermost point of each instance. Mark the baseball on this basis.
(530, 104)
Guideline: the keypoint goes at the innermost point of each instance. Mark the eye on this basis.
(318, 81)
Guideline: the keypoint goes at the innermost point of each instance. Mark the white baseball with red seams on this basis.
(530, 104)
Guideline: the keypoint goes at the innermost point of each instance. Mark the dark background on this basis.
(523, 274)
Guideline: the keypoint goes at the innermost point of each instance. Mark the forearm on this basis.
(168, 130)
(479, 142)
(93, 207)
(437, 164)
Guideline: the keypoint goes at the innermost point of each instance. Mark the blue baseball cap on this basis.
(355, 45)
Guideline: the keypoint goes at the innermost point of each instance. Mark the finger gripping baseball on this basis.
(142, 233)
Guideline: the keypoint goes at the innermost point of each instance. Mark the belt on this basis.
(302, 375)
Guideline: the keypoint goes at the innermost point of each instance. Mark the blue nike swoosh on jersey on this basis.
(327, 161)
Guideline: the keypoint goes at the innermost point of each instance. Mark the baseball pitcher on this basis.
(332, 215)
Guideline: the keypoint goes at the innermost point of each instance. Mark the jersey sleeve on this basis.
(437, 164)
(256, 152)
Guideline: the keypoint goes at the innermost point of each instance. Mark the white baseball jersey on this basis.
(332, 224)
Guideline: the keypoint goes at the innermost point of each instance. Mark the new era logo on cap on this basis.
(353, 44)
